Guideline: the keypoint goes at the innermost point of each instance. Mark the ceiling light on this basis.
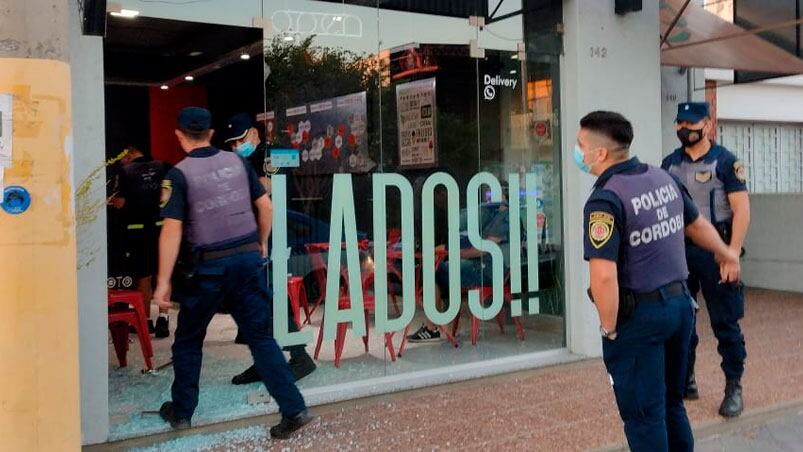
(289, 38)
(127, 13)
(513, 72)
(164, 87)
(338, 18)
(245, 56)
(196, 53)
(189, 78)
(515, 56)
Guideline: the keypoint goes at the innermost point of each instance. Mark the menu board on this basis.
(415, 104)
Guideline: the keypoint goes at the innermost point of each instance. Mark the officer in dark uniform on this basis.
(208, 201)
(137, 199)
(716, 180)
(243, 138)
(635, 222)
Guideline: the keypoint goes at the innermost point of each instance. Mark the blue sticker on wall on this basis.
(16, 200)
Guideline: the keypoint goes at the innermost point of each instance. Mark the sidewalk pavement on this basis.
(569, 407)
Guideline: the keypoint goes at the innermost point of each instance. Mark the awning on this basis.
(698, 38)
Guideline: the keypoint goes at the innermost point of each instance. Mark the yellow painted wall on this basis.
(39, 388)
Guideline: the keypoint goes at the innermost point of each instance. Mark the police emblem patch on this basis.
(703, 176)
(167, 191)
(740, 171)
(600, 228)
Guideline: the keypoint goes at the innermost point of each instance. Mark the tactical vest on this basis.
(653, 252)
(218, 199)
(706, 189)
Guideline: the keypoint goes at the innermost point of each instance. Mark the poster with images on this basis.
(331, 135)
(416, 110)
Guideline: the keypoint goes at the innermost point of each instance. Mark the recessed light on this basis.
(514, 72)
(289, 38)
(196, 53)
(164, 87)
(127, 13)
(515, 56)
(189, 78)
(245, 56)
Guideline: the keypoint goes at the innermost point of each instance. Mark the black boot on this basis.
(168, 415)
(249, 376)
(732, 404)
(692, 393)
(287, 426)
(162, 329)
(302, 365)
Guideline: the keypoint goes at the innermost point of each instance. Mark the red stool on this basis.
(119, 324)
(297, 294)
(134, 303)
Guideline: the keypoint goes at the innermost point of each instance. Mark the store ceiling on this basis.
(457, 8)
(145, 50)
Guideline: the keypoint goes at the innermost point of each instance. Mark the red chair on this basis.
(319, 269)
(297, 294)
(485, 293)
(119, 324)
(132, 299)
(369, 305)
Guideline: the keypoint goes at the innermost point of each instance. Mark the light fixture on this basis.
(289, 38)
(127, 13)
(189, 78)
(338, 18)
(196, 53)
(245, 57)
(164, 87)
(515, 56)
(513, 72)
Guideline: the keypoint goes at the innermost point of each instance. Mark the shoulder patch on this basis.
(600, 228)
(740, 171)
(167, 192)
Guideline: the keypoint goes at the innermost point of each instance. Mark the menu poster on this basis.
(331, 135)
(415, 104)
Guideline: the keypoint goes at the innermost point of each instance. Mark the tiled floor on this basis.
(565, 408)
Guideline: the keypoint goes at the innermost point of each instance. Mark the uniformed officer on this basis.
(716, 180)
(243, 138)
(208, 200)
(634, 227)
(137, 199)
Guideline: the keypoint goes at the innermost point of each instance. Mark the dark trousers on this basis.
(295, 350)
(725, 304)
(241, 279)
(647, 364)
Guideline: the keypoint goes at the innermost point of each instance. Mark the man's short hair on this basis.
(195, 136)
(611, 125)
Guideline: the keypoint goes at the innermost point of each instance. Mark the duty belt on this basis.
(220, 254)
(670, 290)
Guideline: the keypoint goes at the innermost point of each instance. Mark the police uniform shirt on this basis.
(709, 180)
(174, 196)
(604, 216)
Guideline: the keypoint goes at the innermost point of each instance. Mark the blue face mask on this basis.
(578, 159)
(246, 149)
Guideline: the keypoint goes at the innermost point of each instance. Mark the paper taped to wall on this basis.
(6, 127)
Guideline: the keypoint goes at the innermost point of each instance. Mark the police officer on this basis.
(716, 180)
(137, 199)
(243, 138)
(208, 201)
(635, 221)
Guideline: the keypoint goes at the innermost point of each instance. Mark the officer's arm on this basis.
(169, 245)
(605, 289)
(704, 235)
(264, 220)
(740, 204)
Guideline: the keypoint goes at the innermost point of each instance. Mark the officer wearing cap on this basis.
(635, 222)
(208, 202)
(716, 180)
(243, 138)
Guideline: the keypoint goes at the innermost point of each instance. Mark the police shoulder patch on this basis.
(600, 228)
(740, 171)
(167, 192)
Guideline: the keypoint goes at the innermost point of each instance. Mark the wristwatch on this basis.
(607, 334)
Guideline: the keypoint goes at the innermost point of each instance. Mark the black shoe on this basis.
(692, 393)
(151, 329)
(287, 426)
(424, 334)
(302, 365)
(168, 415)
(732, 404)
(162, 329)
(249, 376)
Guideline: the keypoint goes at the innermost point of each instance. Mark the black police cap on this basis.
(194, 119)
(238, 126)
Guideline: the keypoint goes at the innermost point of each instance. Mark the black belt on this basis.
(220, 254)
(670, 290)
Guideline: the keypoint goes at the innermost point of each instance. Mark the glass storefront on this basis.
(416, 181)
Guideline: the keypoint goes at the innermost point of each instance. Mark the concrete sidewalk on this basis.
(569, 407)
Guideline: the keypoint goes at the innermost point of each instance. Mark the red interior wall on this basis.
(164, 108)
